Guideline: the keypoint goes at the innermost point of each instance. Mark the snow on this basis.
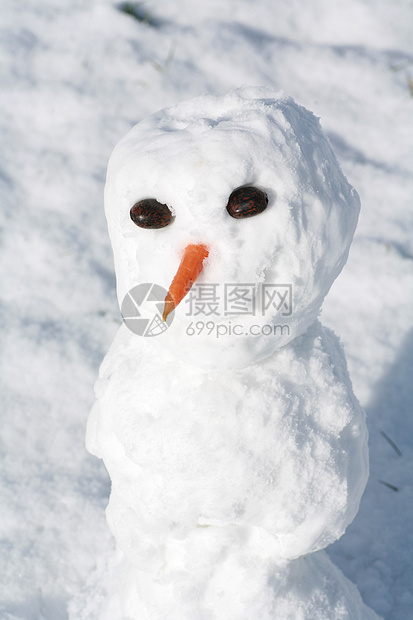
(219, 479)
(191, 157)
(75, 77)
(236, 452)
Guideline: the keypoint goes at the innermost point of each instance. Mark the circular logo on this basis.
(142, 309)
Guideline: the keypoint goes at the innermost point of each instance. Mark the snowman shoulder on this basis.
(313, 369)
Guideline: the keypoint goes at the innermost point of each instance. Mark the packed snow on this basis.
(230, 456)
(75, 78)
(192, 157)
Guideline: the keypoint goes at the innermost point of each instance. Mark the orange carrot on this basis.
(188, 271)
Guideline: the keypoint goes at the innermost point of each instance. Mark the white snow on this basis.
(75, 77)
(191, 157)
(219, 478)
(222, 477)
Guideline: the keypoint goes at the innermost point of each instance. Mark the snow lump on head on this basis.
(191, 157)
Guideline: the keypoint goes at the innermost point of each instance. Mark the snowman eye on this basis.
(246, 202)
(150, 213)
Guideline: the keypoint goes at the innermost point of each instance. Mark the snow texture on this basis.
(222, 476)
(77, 76)
(191, 158)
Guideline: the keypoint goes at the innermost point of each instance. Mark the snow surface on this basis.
(191, 157)
(75, 77)
(219, 479)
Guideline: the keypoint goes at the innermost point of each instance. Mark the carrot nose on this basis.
(189, 269)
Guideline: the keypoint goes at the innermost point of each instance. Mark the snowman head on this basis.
(251, 180)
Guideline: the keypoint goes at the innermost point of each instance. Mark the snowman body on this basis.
(220, 479)
(232, 456)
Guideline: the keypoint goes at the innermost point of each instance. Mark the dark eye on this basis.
(246, 202)
(150, 213)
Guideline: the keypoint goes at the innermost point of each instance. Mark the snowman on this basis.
(236, 448)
